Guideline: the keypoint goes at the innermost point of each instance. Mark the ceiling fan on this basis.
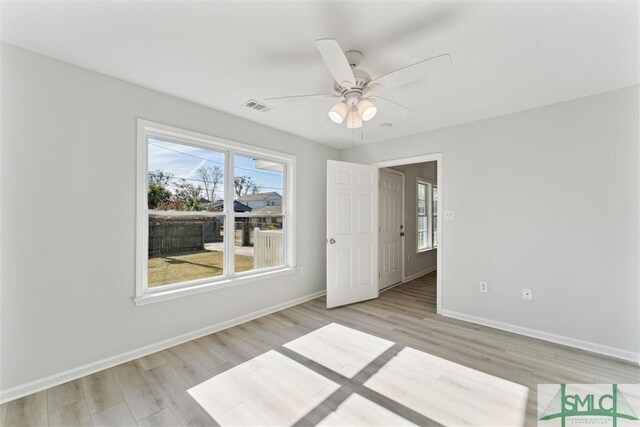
(354, 87)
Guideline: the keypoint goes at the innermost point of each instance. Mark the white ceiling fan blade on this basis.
(397, 110)
(411, 73)
(336, 61)
(313, 97)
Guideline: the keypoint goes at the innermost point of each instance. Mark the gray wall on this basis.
(68, 219)
(415, 262)
(545, 199)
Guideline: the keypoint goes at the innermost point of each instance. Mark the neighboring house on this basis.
(269, 210)
(261, 200)
(237, 206)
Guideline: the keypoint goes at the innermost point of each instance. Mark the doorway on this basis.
(420, 227)
(353, 230)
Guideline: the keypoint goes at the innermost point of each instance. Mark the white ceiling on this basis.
(508, 56)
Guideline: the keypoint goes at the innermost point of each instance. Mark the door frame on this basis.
(432, 157)
(402, 244)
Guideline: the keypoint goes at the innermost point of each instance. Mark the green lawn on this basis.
(163, 270)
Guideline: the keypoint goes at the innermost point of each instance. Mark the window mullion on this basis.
(230, 223)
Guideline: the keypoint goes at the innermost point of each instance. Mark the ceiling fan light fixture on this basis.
(367, 109)
(338, 112)
(354, 120)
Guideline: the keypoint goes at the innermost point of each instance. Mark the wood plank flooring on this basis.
(152, 390)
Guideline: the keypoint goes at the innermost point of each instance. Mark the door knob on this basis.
(332, 241)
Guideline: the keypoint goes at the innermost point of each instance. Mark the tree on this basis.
(157, 191)
(156, 195)
(172, 205)
(194, 205)
(244, 185)
(185, 197)
(210, 177)
(189, 194)
(160, 177)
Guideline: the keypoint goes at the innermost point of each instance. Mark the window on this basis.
(427, 213)
(189, 239)
(434, 216)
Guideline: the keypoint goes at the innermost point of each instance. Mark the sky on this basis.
(183, 161)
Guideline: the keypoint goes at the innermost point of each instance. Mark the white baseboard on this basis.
(391, 287)
(419, 274)
(546, 336)
(79, 372)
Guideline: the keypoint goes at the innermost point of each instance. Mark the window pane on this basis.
(434, 226)
(422, 232)
(422, 223)
(422, 207)
(184, 248)
(435, 232)
(422, 191)
(258, 185)
(259, 243)
(434, 195)
(182, 177)
(422, 241)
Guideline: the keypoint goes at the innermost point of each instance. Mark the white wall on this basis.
(545, 199)
(416, 262)
(68, 219)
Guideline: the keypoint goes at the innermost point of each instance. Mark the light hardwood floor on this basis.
(152, 391)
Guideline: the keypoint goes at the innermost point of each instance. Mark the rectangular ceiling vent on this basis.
(258, 106)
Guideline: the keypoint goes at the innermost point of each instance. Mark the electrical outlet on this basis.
(484, 287)
(301, 271)
(527, 294)
(448, 215)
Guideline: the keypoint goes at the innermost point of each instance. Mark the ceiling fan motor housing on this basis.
(352, 98)
(362, 79)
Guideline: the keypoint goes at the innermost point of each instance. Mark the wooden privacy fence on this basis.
(268, 248)
(172, 237)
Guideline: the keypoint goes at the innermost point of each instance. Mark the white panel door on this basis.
(391, 227)
(352, 226)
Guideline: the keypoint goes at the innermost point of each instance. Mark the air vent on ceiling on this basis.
(259, 106)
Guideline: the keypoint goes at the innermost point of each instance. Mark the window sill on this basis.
(427, 249)
(150, 297)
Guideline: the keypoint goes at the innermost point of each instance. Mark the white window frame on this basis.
(428, 214)
(147, 129)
